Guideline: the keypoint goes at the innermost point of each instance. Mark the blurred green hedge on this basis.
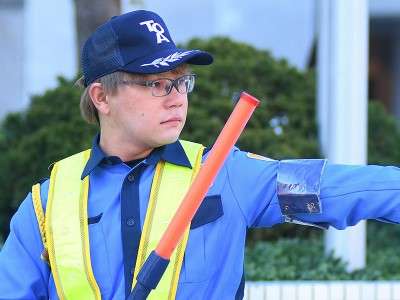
(304, 259)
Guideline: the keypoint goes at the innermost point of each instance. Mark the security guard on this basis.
(84, 233)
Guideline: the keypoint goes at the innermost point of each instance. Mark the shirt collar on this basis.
(172, 153)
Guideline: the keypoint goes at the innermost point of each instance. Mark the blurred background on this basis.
(328, 73)
(42, 39)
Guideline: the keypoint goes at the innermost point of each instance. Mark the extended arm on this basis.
(270, 192)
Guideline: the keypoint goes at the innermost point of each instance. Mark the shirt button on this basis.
(131, 177)
(130, 222)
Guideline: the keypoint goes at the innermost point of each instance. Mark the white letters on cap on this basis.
(164, 61)
(157, 28)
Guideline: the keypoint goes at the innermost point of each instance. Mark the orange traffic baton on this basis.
(155, 265)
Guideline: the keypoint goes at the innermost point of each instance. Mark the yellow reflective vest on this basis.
(64, 227)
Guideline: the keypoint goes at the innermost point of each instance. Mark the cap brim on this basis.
(167, 60)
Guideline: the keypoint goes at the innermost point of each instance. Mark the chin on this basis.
(165, 140)
(167, 136)
(171, 140)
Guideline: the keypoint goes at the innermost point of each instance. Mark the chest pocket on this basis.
(204, 230)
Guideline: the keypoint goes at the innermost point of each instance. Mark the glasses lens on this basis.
(161, 87)
(185, 84)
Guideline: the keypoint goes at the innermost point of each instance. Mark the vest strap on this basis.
(169, 187)
(67, 230)
(37, 205)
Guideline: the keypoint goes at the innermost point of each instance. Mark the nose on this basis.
(174, 99)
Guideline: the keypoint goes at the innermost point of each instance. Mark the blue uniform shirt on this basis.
(248, 192)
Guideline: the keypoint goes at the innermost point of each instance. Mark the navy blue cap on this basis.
(135, 42)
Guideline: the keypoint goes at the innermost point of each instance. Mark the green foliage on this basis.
(383, 242)
(50, 129)
(291, 259)
(383, 136)
(304, 259)
(284, 124)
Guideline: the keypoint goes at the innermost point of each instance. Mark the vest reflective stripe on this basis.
(67, 230)
(37, 205)
(169, 187)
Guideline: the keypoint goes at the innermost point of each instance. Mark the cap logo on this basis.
(164, 61)
(157, 28)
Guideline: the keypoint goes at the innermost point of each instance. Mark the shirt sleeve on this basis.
(23, 275)
(350, 194)
(252, 181)
(312, 192)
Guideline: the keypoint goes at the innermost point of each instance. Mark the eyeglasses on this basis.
(163, 86)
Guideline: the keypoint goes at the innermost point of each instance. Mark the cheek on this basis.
(145, 121)
(143, 116)
(185, 109)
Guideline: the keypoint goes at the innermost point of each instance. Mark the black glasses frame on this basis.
(173, 83)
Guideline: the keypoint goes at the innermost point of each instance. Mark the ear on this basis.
(99, 98)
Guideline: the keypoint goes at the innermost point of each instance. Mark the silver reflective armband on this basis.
(298, 185)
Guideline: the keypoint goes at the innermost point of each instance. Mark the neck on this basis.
(125, 149)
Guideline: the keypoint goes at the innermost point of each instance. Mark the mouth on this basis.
(174, 120)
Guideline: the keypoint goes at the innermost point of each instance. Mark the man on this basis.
(104, 208)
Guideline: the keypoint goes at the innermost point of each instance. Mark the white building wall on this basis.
(11, 55)
(284, 27)
(50, 44)
(38, 36)
(38, 43)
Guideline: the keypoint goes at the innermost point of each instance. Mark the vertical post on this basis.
(342, 104)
